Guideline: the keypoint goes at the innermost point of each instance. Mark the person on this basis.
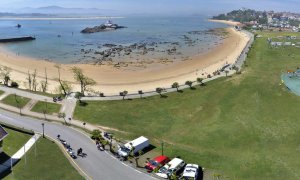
(79, 151)
(58, 136)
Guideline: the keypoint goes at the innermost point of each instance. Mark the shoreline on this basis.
(111, 80)
(231, 23)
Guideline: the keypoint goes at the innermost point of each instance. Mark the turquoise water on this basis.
(292, 82)
(61, 40)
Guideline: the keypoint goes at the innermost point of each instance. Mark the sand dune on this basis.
(111, 80)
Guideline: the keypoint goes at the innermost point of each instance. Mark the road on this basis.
(97, 164)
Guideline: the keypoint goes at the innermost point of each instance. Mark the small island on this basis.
(108, 26)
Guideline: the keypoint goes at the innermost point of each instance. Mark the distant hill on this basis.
(3, 14)
(57, 10)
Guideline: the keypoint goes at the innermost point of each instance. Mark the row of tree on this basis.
(64, 86)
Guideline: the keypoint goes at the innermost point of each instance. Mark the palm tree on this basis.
(175, 85)
(189, 83)
(159, 90)
(200, 80)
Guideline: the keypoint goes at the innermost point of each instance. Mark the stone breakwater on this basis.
(17, 39)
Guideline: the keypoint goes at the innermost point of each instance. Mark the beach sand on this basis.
(232, 23)
(111, 80)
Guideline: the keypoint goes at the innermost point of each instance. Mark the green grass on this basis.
(14, 141)
(52, 108)
(11, 100)
(1, 92)
(243, 127)
(50, 163)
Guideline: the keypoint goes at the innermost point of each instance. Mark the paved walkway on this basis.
(26, 147)
(26, 94)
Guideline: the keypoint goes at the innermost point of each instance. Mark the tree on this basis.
(200, 80)
(235, 68)
(78, 96)
(5, 74)
(189, 83)
(82, 79)
(34, 81)
(18, 104)
(141, 93)
(124, 93)
(159, 90)
(29, 80)
(226, 72)
(44, 84)
(175, 85)
(63, 84)
(64, 87)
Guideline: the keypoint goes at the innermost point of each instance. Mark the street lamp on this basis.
(162, 148)
(43, 130)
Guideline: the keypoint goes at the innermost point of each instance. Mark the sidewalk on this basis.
(19, 154)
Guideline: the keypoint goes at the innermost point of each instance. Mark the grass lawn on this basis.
(1, 92)
(14, 141)
(12, 101)
(242, 127)
(50, 163)
(51, 107)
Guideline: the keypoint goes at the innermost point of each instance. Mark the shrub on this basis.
(14, 84)
(96, 135)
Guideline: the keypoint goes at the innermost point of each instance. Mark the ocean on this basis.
(60, 41)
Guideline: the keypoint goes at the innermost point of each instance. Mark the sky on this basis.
(207, 7)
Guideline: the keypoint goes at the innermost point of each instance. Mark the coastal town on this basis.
(264, 20)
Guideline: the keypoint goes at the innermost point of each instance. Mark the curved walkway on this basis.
(97, 164)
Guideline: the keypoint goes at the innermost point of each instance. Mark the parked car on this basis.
(172, 167)
(190, 172)
(156, 162)
(134, 146)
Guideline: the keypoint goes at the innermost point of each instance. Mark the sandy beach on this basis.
(111, 80)
(232, 23)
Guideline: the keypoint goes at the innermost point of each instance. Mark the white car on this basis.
(190, 172)
(170, 168)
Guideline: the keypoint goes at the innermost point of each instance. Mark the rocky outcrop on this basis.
(101, 28)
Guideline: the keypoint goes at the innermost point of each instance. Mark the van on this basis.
(133, 146)
(172, 167)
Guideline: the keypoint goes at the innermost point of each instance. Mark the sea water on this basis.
(61, 41)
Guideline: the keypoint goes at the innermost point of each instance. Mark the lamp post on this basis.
(162, 148)
(84, 125)
(43, 130)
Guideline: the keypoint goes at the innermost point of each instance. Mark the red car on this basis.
(156, 162)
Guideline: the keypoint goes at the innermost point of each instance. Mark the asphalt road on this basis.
(97, 164)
